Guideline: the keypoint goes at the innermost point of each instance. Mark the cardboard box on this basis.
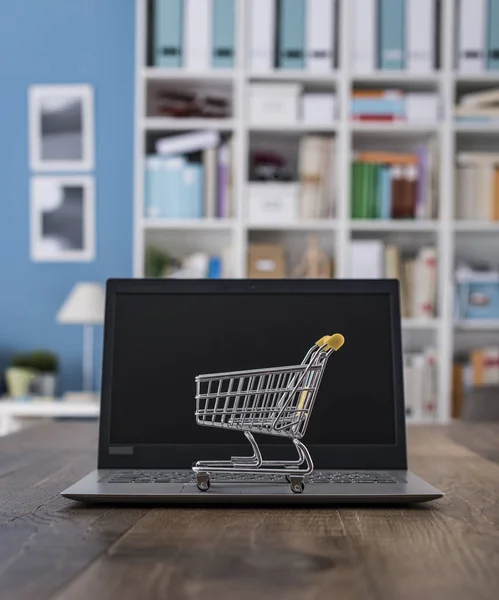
(266, 261)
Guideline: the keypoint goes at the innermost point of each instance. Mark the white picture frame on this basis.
(62, 212)
(61, 128)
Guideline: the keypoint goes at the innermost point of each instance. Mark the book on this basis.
(365, 35)
(367, 259)
(387, 158)
(188, 142)
(198, 34)
(152, 192)
(210, 164)
(392, 262)
(223, 189)
(398, 186)
(421, 29)
(397, 192)
(472, 28)
(493, 36)
(425, 283)
(320, 35)
(385, 197)
(223, 34)
(262, 33)
(192, 191)
(291, 19)
(391, 34)
(495, 204)
(312, 172)
(418, 385)
(457, 390)
(378, 106)
(477, 186)
(168, 33)
(430, 383)
(466, 185)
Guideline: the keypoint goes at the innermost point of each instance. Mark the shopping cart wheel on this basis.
(203, 481)
(297, 485)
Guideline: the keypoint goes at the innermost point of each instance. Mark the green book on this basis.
(374, 212)
(354, 190)
(364, 191)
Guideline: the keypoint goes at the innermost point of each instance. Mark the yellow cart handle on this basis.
(331, 342)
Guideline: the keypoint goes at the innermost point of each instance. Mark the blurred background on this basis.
(248, 138)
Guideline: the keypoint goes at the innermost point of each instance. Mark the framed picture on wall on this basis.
(62, 218)
(61, 126)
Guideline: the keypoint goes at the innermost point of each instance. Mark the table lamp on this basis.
(84, 306)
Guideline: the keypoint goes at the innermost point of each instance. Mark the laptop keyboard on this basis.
(189, 477)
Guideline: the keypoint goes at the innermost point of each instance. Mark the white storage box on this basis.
(422, 107)
(274, 104)
(270, 202)
(318, 109)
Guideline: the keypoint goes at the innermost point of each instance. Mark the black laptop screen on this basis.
(162, 341)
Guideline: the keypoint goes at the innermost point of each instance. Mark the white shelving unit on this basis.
(443, 231)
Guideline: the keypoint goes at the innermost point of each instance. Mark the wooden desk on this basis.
(54, 548)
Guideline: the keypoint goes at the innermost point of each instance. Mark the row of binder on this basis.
(293, 34)
(395, 35)
(194, 34)
(301, 34)
(478, 48)
(200, 34)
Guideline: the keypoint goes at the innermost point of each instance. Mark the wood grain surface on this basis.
(52, 548)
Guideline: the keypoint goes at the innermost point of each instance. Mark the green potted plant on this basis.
(19, 377)
(44, 365)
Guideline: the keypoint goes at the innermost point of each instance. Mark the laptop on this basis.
(159, 335)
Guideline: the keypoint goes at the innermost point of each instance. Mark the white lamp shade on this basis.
(84, 305)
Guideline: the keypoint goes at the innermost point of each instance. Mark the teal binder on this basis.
(391, 34)
(223, 34)
(171, 187)
(291, 34)
(192, 203)
(151, 187)
(385, 193)
(168, 25)
(493, 36)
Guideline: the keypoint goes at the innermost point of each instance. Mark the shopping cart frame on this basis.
(277, 401)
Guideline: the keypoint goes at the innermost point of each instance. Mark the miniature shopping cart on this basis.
(275, 401)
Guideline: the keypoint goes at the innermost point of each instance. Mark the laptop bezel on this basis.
(393, 456)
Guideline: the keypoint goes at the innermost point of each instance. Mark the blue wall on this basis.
(63, 41)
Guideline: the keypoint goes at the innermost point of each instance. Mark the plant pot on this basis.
(19, 381)
(45, 385)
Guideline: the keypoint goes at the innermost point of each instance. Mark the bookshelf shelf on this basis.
(401, 128)
(476, 226)
(169, 124)
(473, 78)
(159, 73)
(313, 225)
(295, 128)
(445, 233)
(421, 324)
(477, 128)
(396, 77)
(392, 225)
(477, 325)
(188, 224)
(295, 76)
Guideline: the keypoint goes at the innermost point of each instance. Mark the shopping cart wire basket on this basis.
(277, 401)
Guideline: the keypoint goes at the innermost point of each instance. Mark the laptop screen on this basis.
(161, 341)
